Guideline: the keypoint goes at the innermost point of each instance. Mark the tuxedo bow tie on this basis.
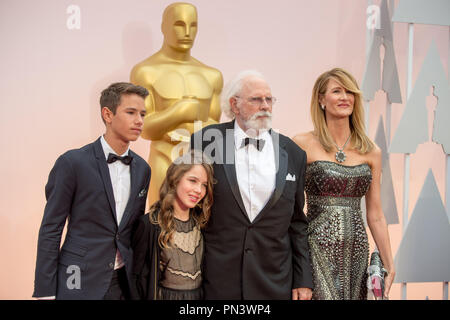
(257, 143)
(114, 157)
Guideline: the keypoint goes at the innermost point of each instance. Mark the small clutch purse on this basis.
(376, 274)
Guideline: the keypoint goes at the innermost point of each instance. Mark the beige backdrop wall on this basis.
(52, 76)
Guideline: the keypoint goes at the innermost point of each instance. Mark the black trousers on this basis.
(119, 288)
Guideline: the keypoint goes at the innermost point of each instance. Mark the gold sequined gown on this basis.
(336, 234)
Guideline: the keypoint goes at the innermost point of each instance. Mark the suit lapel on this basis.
(281, 165)
(104, 171)
(226, 149)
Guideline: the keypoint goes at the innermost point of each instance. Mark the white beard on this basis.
(255, 123)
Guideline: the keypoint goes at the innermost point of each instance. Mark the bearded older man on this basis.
(255, 242)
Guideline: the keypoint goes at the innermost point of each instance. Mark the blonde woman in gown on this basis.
(343, 166)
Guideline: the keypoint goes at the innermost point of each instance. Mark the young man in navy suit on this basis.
(100, 189)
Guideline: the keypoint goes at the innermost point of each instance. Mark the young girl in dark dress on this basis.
(167, 241)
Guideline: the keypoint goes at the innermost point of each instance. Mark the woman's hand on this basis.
(388, 280)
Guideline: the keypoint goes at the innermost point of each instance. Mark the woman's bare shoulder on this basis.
(304, 139)
(373, 157)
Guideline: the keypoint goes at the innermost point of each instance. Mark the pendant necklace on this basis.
(340, 154)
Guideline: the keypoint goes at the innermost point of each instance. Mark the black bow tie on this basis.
(257, 143)
(114, 157)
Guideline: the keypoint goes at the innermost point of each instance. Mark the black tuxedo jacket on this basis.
(266, 258)
(79, 190)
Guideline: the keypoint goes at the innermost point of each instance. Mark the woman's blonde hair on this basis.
(162, 211)
(359, 140)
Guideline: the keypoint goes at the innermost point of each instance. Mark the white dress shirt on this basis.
(255, 171)
(120, 181)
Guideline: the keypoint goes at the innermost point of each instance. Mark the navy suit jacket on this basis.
(266, 258)
(79, 190)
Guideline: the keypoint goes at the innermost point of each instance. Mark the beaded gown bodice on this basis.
(336, 234)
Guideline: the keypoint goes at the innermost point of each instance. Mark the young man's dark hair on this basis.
(111, 96)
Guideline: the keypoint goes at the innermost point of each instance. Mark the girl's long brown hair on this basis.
(168, 191)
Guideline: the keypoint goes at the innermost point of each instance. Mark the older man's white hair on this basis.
(233, 88)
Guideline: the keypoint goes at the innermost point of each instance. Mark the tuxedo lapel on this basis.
(226, 149)
(281, 164)
(104, 171)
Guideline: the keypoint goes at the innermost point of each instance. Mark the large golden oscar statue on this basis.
(183, 91)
